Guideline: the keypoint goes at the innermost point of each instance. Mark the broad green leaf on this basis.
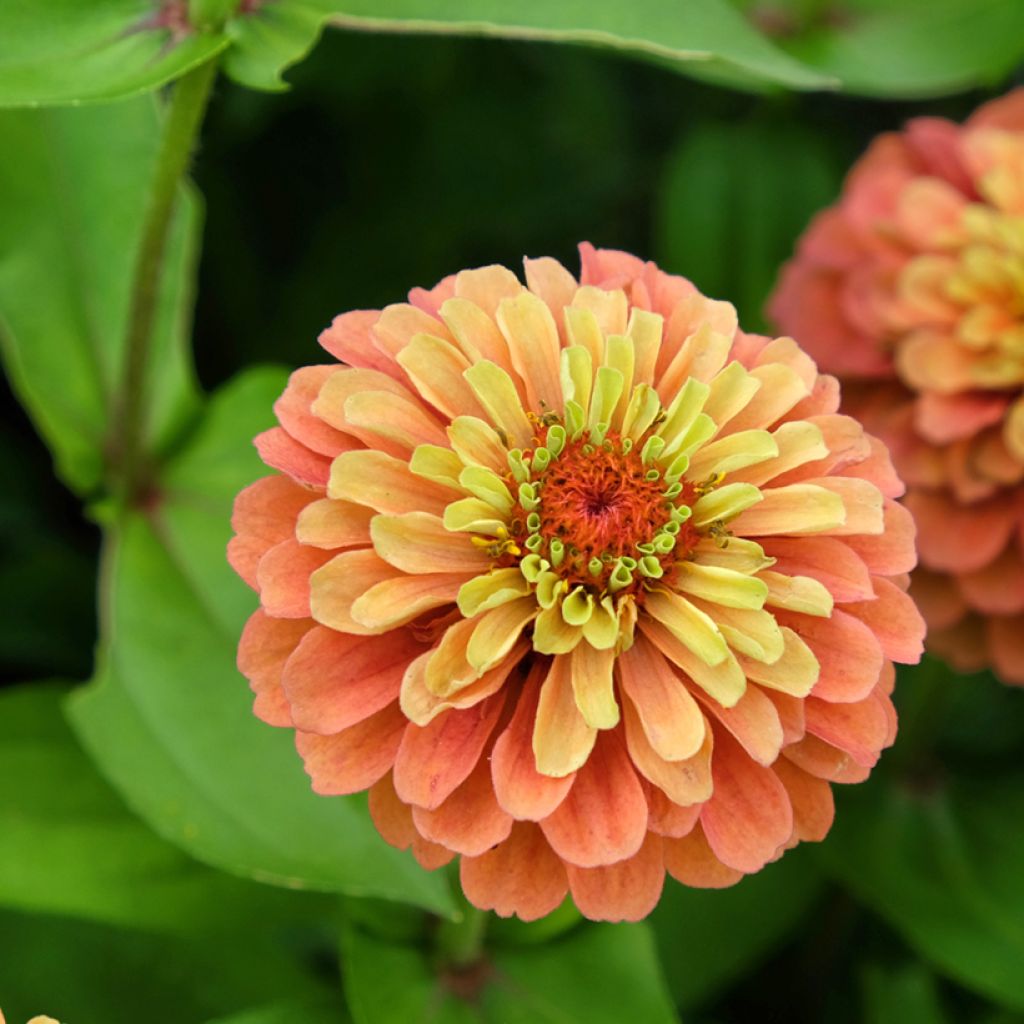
(598, 973)
(70, 51)
(82, 972)
(707, 938)
(909, 48)
(941, 861)
(316, 1011)
(733, 200)
(72, 196)
(708, 33)
(69, 846)
(169, 720)
(907, 995)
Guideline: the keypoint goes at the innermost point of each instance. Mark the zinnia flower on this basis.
(581, 582)
(911, 288)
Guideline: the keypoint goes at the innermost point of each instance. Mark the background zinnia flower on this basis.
(580, 581)
(911, 288)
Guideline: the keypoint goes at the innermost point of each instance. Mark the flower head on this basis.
(912, 288)
(580, 581)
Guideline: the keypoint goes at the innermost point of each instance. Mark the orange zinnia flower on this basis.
(581, 582)
(912, 288)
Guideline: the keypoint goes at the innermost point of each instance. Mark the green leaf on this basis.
(733, 200)
(316, 1011)
(67, 51)
(598, 973)
(169, 720)
(704, 33)
(707, 938)
(941, 861)
(908, 995)
(69, 845)
(916, 48)
(83, 972)
(71, 208)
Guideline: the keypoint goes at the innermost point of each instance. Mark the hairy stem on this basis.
(184, 116)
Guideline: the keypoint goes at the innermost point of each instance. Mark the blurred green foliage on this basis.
(392, 161)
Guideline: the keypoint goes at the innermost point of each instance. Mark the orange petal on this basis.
(827, 559)
(334, 680)
(753, 721)
(791, 715)
(263, 649)
(279, 450)
(399, 323)
(382, 482)
(283, 578)
(749, 816)
(823, 761)
(392, 603)
(333, 524)
(469, 821)
(668, 818)
(435, 759)
(861, 728)
(392, 818)
(670, 717)
(529, 328)
(998, 589)
(521, 876)
(350, 340)
(891, 552)
(562, 740)
(430, 856)
(520, 789)
(435, 367)
(403, 423)
(894, 619)
(264, 514)
(691, 860)
(549, 280)
(683, 782)
(626, 891)
(604, 817)
(294, 412)
(1006, 636)
(847, 650)
(354, 759)
(813, 806)
(338, 584)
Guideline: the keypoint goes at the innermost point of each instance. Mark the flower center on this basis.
(601, 515)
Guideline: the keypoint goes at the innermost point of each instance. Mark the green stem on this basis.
(184, 116)
(460, 943)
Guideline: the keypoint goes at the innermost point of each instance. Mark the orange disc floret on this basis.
(579, 581)
(911, 288)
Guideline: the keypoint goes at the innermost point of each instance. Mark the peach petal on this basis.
(469, 821)
(337, 585)
(430, 300)
(607, 267)
(381, 482)
(520, 789)
(263, 516)
(333, 524)
(877, 469)
(549, 280)
(521, 876)
(1006, 636)
(392, 818)
(354, 759)
(684, 782)
(392, 603)
(943, 419)
(263, 649)
(294, 412)
(532, 336)
(403, 422)
(781, 389)
(333, 680)
(791, 715)
(794, 672)
(604, 817)
(813, 805)
(822, 760)
(347, 382)
(860, 728)
(749, 815)
(892, 551)
(417, 542)
(399, 323)
(939, 599)
(863, 503)
(966, 646)
(562, 740)
(435, 368)
(1005, 112)
(958, 538)
(477, 334)
(283, 575)
(486, 287)
(626, 891)
(435, 759)
(894, 619)
(829, 560)
(430, 856)
(350, 340)
(671, 718)
(667, 818)
(593, 685)
(279, 450)
(691, 860)
(753, 722)
(496, 631)
(997, 589)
